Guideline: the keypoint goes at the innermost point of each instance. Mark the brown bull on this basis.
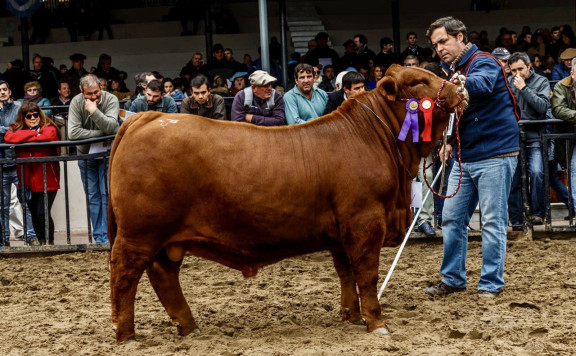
(247, 197)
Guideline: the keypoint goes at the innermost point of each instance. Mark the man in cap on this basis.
(74, 74)
(202, 102)
(94, 113)
(562, 69)
(304, 102)
(502, 55)
(259, 104)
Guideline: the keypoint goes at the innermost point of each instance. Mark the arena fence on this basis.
(68, 154)
(556, 146)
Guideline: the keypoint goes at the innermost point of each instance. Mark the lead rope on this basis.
(424, 166)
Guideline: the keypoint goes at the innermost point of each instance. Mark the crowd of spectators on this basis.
(318, 82)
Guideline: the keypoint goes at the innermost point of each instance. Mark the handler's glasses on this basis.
(35, 115)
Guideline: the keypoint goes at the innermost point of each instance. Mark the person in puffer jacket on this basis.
(32, 125)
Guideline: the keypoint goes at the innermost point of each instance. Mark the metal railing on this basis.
(64, 158)
(545, 143)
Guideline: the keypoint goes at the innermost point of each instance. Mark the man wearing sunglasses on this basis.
(8, 111)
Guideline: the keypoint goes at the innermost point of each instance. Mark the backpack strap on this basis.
(467, 66)
(249, 96)
(270, 102)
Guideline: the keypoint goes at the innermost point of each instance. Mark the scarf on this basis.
(33, 98)
(458, 58)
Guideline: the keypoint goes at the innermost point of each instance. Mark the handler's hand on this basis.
(458, 79)
(445, 156)
(249, 117)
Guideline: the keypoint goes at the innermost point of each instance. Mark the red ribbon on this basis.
(426, 107)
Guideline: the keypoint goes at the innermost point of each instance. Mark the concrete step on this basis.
(308, 34)
(308, 28)
(301, 44)
(292, 22)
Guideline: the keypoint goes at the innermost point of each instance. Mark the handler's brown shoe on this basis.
(441, 289)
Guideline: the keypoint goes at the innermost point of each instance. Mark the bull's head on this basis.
(402, 83)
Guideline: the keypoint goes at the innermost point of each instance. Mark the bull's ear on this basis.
(388, 88)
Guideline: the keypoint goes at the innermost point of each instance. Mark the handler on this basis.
(489, 149)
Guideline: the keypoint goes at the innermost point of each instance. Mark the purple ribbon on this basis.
(411, 120)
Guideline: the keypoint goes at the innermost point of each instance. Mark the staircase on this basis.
(303, 24)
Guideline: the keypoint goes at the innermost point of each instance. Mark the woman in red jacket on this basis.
(32, 125)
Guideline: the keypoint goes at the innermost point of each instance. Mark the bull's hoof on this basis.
(381, 331)
(358, 322)
(183, 331)
(127, 341)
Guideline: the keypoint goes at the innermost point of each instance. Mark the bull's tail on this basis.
(112, 226)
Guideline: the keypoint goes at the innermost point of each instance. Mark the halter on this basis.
(437, 102)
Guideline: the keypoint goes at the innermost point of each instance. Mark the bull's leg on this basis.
(349, 303)
(366, 275)
(127, 263)
(163, 274)
(362, 244)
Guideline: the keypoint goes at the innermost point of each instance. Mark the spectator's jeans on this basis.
(556, 183)
(94, 173)
(536, 175)
(490, 179)
(11, 177)
(428, 205)
(515, 198)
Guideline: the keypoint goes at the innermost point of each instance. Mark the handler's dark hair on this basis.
(452, 25)
(352, 78)
(155, 85)
(199, 80)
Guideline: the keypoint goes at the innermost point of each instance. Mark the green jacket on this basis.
(564, 101)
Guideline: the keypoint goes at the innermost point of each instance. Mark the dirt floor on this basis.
(59, 305)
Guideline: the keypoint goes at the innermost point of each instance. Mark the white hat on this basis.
(261, 78)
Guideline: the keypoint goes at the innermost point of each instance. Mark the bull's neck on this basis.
(385, 117)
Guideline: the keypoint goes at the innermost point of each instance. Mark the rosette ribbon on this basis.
(410, 121)
(427, 106)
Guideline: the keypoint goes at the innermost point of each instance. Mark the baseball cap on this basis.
(501, 53)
